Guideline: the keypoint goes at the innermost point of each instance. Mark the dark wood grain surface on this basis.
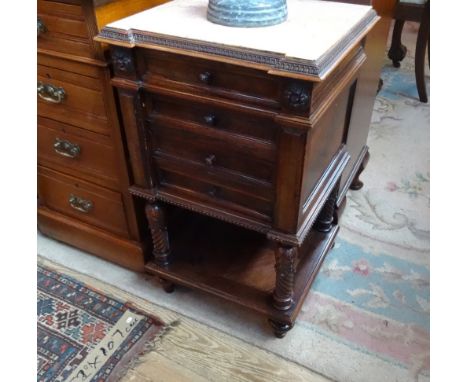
(83, 175)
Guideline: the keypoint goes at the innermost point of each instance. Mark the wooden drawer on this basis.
(66, 8)
(209, 77)
(68, 148)
(62, 28)
(228, 118)
(82, 201)
(212, 148)
(72, 98)
(250, 202)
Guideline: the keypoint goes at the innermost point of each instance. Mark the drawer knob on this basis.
(213, 191)
(206, 77)
(50, 93)
(210, 160)
(66, 148)
(41, 28)
(79, 204)
(210, 120)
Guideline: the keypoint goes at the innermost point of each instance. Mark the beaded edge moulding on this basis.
(247, 13)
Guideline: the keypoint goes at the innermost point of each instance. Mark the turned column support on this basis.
(158, 227)
(283, 296)
(286, 259)
(161, 250)
(328, 216)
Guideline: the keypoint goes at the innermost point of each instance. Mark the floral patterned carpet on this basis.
(372, 294)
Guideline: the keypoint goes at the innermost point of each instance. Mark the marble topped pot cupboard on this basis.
(238, 144)
(83, 176)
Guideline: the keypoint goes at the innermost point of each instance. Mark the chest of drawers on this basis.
(238, 143)
(83, 177)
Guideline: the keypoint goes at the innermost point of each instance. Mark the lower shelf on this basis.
(236, 264)
(126, 253)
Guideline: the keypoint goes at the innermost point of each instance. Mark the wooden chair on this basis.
(419, 11)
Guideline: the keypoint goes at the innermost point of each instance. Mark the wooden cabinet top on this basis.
(313, 41)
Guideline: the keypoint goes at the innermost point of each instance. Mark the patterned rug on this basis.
(84, 335)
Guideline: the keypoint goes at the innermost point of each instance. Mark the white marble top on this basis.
(313, 27)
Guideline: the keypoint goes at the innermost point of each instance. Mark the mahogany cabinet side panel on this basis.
(323, 142)
(366, 88)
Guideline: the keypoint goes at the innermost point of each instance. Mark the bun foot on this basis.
(357, 184)
(280, 328)
(167, 286)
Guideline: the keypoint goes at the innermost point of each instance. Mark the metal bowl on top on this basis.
(247, 13)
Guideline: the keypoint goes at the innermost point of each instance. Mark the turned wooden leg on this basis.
(357, 184)
(157, 223)
(161, 249)
(280, 328)
(420, 59)
(286, 257)
(328, 215)
(397, 50)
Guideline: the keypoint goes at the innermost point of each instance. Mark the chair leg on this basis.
(397, 50)
(429, 46)
(421, 45)
(380, 86)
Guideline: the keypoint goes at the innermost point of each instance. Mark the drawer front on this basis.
(213, 149)
(71, 98)
(198, 188)
(69, 8)
(209, 77)
(61, 27)
(82, 200)
(227, 119)
(66, 146)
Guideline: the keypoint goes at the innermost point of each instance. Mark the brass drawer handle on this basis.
(41, 28)
(210, 120)
(66, 148)
(206, 77)
(210, 160)
(80, 204)
(50, 93)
